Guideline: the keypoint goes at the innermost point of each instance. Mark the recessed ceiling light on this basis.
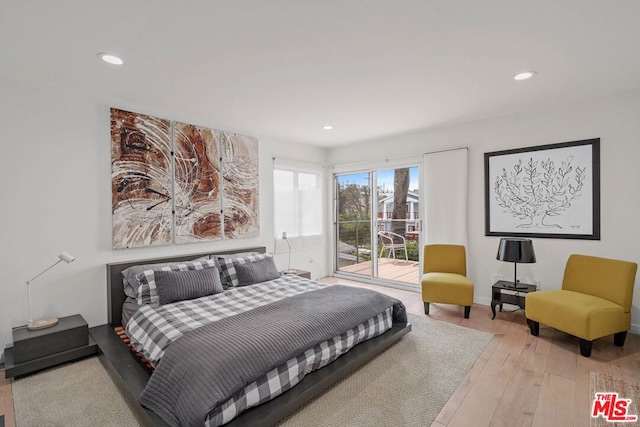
(524, 75)
(111, 59)
(327, 127)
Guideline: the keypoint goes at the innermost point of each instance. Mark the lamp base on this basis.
(34, 325)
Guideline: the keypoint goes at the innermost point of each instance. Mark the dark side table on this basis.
(504, 291)
(32, 351)
(301, 273)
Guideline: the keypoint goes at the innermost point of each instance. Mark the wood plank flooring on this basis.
(389, 269)
(518, 380)
(6, 400)
(522, 380)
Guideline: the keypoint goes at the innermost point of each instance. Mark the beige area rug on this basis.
(603, 383)
(79, 394)
(407, 385)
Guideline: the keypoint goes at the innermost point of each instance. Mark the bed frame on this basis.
(131, 376)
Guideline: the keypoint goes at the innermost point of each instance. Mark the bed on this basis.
(282, 294)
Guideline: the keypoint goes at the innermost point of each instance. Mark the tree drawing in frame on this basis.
(544, 191)
(141, 190)
(240, 200)
(197, 192)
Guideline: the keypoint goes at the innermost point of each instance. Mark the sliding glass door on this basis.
(353, 223)
(378, 224)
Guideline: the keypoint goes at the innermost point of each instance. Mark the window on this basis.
(297, 200)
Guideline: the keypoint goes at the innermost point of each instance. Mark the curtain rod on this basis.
(298, 162)
(387, 159)
(448, 149)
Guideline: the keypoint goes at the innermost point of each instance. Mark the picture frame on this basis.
(547, 191)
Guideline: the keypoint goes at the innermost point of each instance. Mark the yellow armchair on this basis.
(444, 279)
(594, 302)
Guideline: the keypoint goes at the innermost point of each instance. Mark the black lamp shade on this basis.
(516, 250)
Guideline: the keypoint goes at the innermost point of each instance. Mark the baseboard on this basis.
(482, 301)
(635, 329)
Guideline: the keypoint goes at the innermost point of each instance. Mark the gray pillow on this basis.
(179, 285)
(226, 265)
(261, 270)
(129, 274)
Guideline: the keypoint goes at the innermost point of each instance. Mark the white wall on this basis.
(55, 172)
(615, 120)
(56, 193)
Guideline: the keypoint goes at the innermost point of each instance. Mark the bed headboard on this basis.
(115, 286)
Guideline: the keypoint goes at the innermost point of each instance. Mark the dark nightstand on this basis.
(504, 292)
(35, 350)
(301, 273)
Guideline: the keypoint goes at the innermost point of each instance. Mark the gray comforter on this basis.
(204, 367)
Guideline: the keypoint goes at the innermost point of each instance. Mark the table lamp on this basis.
(288, 270)
(516, 250)
(44, 323)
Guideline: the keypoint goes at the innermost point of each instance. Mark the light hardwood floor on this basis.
(518, 380)
(522, 380)
(6, 400)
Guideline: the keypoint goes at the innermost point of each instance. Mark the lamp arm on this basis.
(29, 287)
(44, 271)
(29, 301)
(289, 264)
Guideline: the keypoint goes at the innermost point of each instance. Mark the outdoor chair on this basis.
(390, 243)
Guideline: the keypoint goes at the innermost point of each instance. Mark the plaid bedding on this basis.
(290, 373)
(152, 329)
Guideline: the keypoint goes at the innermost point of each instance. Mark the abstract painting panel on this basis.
(141, 189)
(240, 185)
(175, 182)
(197, 192)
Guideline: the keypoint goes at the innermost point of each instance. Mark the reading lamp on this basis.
(288, 270)
(44, 323)
(516, 250)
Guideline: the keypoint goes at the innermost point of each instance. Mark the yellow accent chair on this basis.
(594, 302)
(444, 278)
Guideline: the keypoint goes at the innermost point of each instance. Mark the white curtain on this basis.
(298, 204)
(445, 183)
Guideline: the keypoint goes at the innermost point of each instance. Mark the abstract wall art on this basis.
(544, 191)
(141, 189)
(197, 192)
(175, 182)
(241, 196)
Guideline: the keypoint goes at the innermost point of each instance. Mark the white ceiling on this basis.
(285, 68)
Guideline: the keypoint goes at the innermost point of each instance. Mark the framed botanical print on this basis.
(548, 191)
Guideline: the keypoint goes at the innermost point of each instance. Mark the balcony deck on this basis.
(398, 270)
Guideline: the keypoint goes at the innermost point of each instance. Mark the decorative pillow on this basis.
(129, 274)
(147, 290)
(182, 285)
(262, 270)
(226, 265)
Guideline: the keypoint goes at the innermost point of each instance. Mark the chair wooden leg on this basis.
(618, 339)
(534, 326)
(585, 347)
(467, 310)
(426, 308)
